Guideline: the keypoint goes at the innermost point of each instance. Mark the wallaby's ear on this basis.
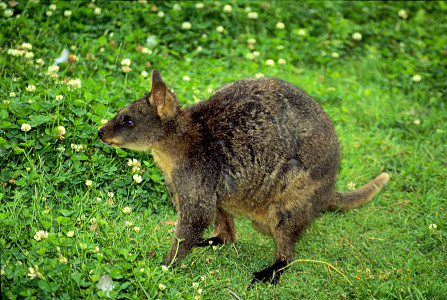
(155, 76)
(162, 99)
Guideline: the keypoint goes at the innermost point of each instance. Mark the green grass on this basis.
(386, 120)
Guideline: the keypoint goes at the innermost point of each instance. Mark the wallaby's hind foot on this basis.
(270, 274)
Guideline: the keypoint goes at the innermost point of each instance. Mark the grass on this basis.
(385, 94)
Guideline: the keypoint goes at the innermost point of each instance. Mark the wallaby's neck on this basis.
(169, 151)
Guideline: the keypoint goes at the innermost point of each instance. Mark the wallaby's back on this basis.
(255, 133)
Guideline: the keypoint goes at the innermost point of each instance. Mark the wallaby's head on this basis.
(144, 121)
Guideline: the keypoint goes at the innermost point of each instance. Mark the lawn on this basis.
(81, 220)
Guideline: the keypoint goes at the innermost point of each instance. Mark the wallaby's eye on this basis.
(127, 121)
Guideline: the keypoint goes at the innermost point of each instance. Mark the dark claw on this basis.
(210, 242)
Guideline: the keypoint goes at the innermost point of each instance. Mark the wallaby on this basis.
(259, 148)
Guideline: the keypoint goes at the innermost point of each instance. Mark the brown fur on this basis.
(259, 148)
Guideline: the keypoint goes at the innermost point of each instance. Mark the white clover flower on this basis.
(70, 234)
(146, 50)
(16, 52)
(219, 29)
(280, 25)
(227, 8)
(40, 235)
(417, 122)
(151, 41)
(110, 194)
(136, 229)
(125, 62)
(6, 101)
(88, 182)
(280, 47)
(31, 88)
(177, 7)
(137, 178)
(164, 268)
(104, 122)
(252, 15)
(198, 49)
(335, 55)
(12, 94)
(52, 7)
(99, 199)
(93, 220)
(129, 223)
(162, 287)
(270, 62)
(199, 291)
(251, 41)
(195, 284)
(301, 32)
(67, 13)
(282, 61)
(403, 13)
(40, 61)
(259, 75)
(83, 246)
(416, 78)
(126, 210)
(186, 25)
(357, 36)
(250, 56)
(8, 13)
(199, 5)
(144, 74)
(61, 130)
(25, 127)
(3, 5)
(97, 11)
(59, 97)
(351, 186)
(132, 162)
(432, 226)
(53, 69)
(49, 13)
(96, 249)
(75, 84)
(33, 273)
(186, 78)
(160, 14)
(256, 53)
(141, 270)
(27, 46)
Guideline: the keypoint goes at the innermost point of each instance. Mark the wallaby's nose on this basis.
(100, 132)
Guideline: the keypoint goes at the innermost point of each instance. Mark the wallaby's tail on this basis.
(349, 200)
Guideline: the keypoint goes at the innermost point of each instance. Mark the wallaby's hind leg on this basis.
(287, 217)
(284, 255)
(223, 232)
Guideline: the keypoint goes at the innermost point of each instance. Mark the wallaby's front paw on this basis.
(210, 242)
